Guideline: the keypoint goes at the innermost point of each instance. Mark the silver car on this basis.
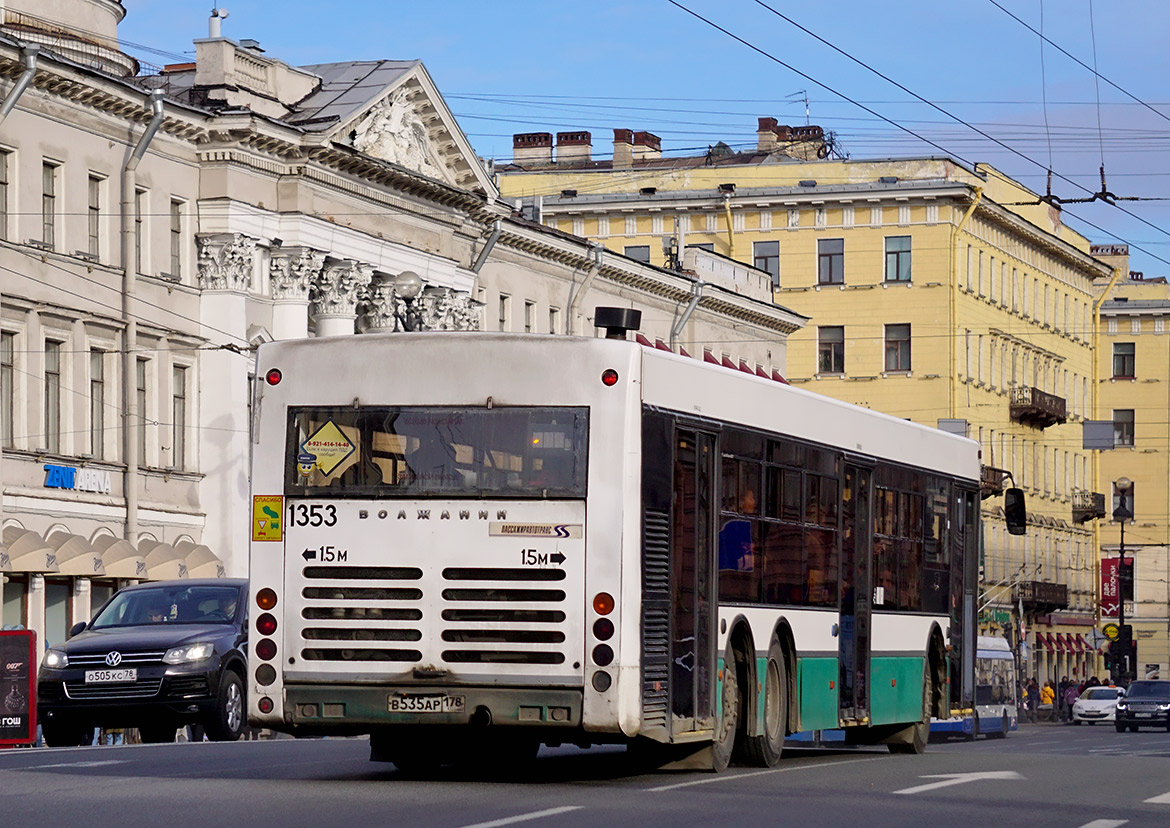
(1097, 704)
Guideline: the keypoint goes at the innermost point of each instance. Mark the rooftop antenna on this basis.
(802, 95)
(215, 24)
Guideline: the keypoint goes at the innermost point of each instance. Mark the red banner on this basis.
(1109, 586)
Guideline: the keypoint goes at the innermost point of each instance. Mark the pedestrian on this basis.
(1060, 690)
(1070, 697)
(1033, 690)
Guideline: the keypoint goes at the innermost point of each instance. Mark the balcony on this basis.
(991, 481)
(1036, 408)
(1042, 597)
(1087, 506)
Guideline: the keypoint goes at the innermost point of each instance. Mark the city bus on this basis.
(996, 706)
(480, 541)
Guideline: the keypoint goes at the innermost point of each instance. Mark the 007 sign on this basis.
(18, 697)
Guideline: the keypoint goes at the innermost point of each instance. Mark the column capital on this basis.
(338, 287)
(292, 270)
(225, 261)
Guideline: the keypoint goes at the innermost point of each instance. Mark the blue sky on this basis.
(513, 66)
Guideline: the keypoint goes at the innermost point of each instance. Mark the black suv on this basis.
(1146, 704)
(156, 657)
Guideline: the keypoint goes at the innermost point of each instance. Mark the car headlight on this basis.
(189, 653)
(55, 660)
(1122, 706)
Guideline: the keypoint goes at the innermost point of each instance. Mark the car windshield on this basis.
(1100, 694)
(1148, 690)
(170, 605)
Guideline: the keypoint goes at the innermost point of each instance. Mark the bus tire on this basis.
(974, 728)
(764, 750)
(726, 726)
(913, 739)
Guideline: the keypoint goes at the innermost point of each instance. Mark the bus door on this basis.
(692, 582)
(964, 539)
(853, 630)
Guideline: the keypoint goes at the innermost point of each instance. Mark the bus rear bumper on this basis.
(356, 708)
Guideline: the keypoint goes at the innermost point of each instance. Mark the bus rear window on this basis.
(503, 452)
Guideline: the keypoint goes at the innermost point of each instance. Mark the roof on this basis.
(347, 88)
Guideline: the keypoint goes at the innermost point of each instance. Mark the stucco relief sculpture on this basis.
(444, 309)
(393, 131)
(339, 286)
(292, 270)
(225, 261)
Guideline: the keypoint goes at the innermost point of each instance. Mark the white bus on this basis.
(996, 707)
(494, 540)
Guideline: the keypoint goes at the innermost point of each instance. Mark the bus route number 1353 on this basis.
(302, 514)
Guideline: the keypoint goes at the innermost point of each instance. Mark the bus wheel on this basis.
(974, 728)
(913, 739)
(725, 728)
(764, 750)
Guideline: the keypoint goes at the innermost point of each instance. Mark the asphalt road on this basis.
(1071, 777)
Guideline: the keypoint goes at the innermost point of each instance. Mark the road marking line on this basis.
(525, 817)
(1164, 799)
(1105, 823)
(948, 779)
(91, 764)
(733, 777)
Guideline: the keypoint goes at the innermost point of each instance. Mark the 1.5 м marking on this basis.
(530, 557)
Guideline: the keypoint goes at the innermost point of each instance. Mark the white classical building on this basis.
(157, 224)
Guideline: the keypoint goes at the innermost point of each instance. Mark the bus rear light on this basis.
(265, 705)
(273, 377)
(603, 629)
(266, 649)
(266, 624)
(266, 598)
(265, 674)
(603, 655)
(609, 377)
(603, 603)
(601, 681)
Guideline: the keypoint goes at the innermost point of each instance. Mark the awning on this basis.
(163, 561)
(1046, 640)
(120, 558)
(201, 561)
(28, 552)
(75, 556)
(1061, 647)
(1077, 642)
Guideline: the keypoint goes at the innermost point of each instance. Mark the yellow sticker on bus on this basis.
(266, 521)
(329, 447)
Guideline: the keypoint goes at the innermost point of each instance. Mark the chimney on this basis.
(532, 148)
(574, 146)
(623, 149)
(647, 145)
(766, 135)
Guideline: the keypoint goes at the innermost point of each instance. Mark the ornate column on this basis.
(225, 261)
(292, 270)
(334, 295)
(381, 307)
(445, 309)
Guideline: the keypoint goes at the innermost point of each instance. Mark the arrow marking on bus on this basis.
(309, 554)
(957, 779)
(557, 558)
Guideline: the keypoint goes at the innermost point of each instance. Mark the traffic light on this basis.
(1125, 579)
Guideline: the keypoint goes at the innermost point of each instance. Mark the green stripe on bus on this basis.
(816, 680)
(895, 690)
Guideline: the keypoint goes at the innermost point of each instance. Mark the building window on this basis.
(529, 315)
(176, 239)
(1123, 427)
(52, 436)
(97, 402)
(140, 401)
(49, 204)
(831, 261)
(710, 248)
(897, 258)
(638, 252)
(4, 156)
(1123, 360)
(7, 396)
(831, 349)
(140, 231)
(554, 320)
(505, 311)
(897, 347)
(179, 416)
(766, 256)
(95, 217)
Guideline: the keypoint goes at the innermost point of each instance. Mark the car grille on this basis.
(136, 658)
(490, 615)
(145, 689)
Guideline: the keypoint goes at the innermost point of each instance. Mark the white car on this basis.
(1097, 704)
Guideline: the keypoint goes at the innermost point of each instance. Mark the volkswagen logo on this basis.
(114, 659)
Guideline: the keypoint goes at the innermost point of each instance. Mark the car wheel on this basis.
(1120, 727)
(157, 733)
(1133, 728)
(227, 722)
(63, 734)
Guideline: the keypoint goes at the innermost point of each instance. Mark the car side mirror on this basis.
(76, 628)
(1015, 512)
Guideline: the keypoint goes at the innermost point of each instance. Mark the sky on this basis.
(510, 66)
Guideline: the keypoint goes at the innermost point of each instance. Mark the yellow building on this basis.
(1134, 393)
(937, 292)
